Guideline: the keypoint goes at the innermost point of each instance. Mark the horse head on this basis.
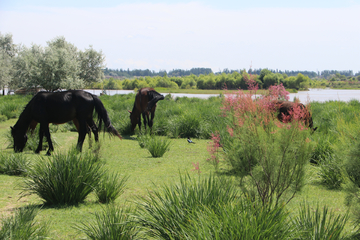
(134, 120)
(20, 139)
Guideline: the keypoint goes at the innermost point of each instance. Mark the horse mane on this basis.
(24, 120)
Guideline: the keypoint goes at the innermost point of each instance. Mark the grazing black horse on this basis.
(145, 102)
(58, 108)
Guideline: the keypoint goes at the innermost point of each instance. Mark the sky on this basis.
(158, 35)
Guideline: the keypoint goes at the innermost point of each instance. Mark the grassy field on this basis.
(146, 175)
(123, 156)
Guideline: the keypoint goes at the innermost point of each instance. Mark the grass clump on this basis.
(319, 224)
(113, 223)
(110, 187)
(23, 226)
(14, 164)
(64, 178)
(331, 173)
(142, 139)
(157, 146)
(166, 214)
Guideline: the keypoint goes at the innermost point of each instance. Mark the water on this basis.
(319, 95)
(323, 95)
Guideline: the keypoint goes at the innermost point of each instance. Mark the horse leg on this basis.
(41, 135)
(76, 123)
(93, 128)
(145, 116)
(139, 123)
(151, 122)
(82, 134)
(32, 126)
(46, 131)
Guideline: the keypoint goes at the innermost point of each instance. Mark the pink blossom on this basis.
(196, 167)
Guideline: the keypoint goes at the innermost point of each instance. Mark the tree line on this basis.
(122, 73)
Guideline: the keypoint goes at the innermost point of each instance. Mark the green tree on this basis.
(91, 65)
(7, 53)
(59, 65)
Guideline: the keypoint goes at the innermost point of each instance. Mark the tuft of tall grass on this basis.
(112, 223)
(319, 224)
(165, 213)
(23, 226)
(322, 150)
(64, 178)
(244, 219)
(142, 139)
(331, 173)
(110, 187)
(9, 109)
(157, 146)
(14, 164)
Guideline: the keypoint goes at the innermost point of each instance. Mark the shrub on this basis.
(64, 178)
(113, 223)
(23, 226)
(268, 155)
(157, 146)
(319, 224)
(14, 164)
(110, 187)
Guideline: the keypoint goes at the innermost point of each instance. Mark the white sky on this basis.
(286, 35)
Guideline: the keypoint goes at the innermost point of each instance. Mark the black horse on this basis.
(58, 108)
(145, 102)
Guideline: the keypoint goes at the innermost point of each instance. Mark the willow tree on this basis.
(7, 53)
(59, 65)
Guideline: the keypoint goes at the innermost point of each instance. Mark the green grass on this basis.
(147, 174)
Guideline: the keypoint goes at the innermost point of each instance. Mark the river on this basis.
(318, 95)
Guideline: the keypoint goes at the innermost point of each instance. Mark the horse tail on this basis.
(154, 97)
(104, 117)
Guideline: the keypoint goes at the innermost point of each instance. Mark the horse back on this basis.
(61, 107)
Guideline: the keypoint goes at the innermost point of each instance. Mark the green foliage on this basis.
(23, 226)
(322, 151)
(113, 223)
(59, 65)
(268, 156)
(7, 53)
(331, 173)
(166, 213)
(142, 139)
(110, 187)
(14, 164)
(244, 219)
(157, 146)
(64, 178)
(319, 224)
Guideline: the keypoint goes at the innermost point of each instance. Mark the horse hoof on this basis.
(48, 154)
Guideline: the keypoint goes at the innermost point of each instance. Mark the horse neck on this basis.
(24, 120)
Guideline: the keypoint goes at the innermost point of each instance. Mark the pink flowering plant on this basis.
(268, 155)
